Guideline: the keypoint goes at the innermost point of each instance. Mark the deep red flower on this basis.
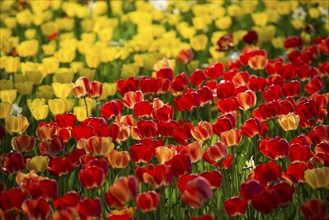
(251, 37)
(252, 127)
(52, 147)
(225, 89)
(246, 100)
(319, 134)
(291, 88)
(111, 108)
(267, 172)
(314, 86)
(275, 66)
(141, 153)
(314, 209)
(274, 80)
(46, 131)
(214, 178)
(12, 162)
(274, 92)
(166, 129)
(205, 95)
(90, 208)
(215, 70)
(143, 109)
(299, 153)
(82, 131)
(267, 111)
(225, 43)
(61, 166)
(148, 201)
(265, 201)
(293, 42)
(183, 133)
(147, 129)
(165, 73)
(256, 59)
(301, 139)
(96, 89)
(204, 217)
(284, 192)
(164, 113)
(187, 101)
(198, 77)
(225, 164)
(286, 106)
(12, 199)
(295, 171)
(274, 148)
(67, 120)
(184, 56)
(257, 84)
(124, 86)
(121, 191)
(91, 177)
(224, 123)
(131, 98)
(179, 83)
(41, 187)
(307, 109)
(156, 175)
(23, 143)
(289, 71)
(149, 85)
(235, 206)
(180, 163)
(197, 192)
(228, 105)
(250, 188)
(70, 199)
(36, 209)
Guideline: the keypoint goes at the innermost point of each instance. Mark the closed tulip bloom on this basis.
(235, 206)
(131, 98)
(11, 64)
(61, 90)
(246, 100)
(317, 177)
(165, 153)
(5, 109)
(121, 191)
(157, 176)
(37, 163)
(118, 159)
(99, 146)
(148, 201)
(91, 177)
(23, 143)
(40, 113)
(57, 106)
(315, 209)
(81, 88)
(96, 89)
(289, 122)
(203, 131)
(8, 95)
(231, 137)
(36, 209)
(217, 152)
(195, 151)
(16, 124)
(24, 88)
(197, 192)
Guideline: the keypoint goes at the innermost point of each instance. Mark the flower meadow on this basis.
(198, 110)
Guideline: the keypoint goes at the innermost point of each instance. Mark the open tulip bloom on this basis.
(162, 109)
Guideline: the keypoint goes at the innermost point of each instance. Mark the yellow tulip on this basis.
(128, 70)
(24, 17)
(8, 95)
(24, 88)
(11, 64)
(48, 28)
(5, 109)
(89, 73)
(116, 7)
(277, 42)
(105, 34)
(199, 42)
(57, 106)
(289, 122)
(92, 58)
(30, 34)
(109, 89)
(199, 23)
(10, 22)
(61, 90)
(36, 103)
(260, 18)
(87, 25)
(90, 103)
(223, 23)
(40, 113)
(63, 75)
(88, 37)
(36, 77)
(235, 10)
(27, 67)
(80, 112)
(298, 24)
(45, 92)
(28, 48)
(37, 163)
(69, 105)
(50, 65)
(16, 124)
(317, 177)
(314, 13)
(66, 55)
(49, 49)
(66, 24)
(6, 84)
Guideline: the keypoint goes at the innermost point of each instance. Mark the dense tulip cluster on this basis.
(164, 110)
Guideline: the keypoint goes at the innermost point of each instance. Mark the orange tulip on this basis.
(118, 159)
(231, 137)
(16, 124)
(165, 153)
(195, 151)
(202, 131)
(99, 146)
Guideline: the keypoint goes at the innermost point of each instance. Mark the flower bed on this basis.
(164, 110)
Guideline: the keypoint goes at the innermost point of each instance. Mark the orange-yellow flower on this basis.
(16, 124)
(165, 153)
(317, 178)
(37, 163)
(118, 159)
(289, 122)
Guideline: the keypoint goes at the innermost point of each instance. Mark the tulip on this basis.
(235, 206)
(267, 172)
(274, 148)
(184, 56)
(246, 100)
(198, 77)
(157, 176)
(181, 163)
(143, 109)
(266, 201)
(202, 131)
(12, 162)
(195, 151)
(179, 84)
(57, 106)
(8, 95)
(70, 199)
(90, 208)
(317, 177)
(148, 201)
(119, 159)
(37, 163)
(16, 124)
(217, 152)
(24, 88)
(315, 209)
(5, 109)
(91, 177)
(36, 209)
(40, 113)
(131, 98)
(23, 143)
(99, 146)
(68, 213)
(51, 147)
(141, 153)
(231, 137)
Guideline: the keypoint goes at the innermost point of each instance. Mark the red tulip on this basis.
(315, 85)
(215, 70)
(205, 95)
(214, 178)
(99, 146)
(256, 84)
(91, 177)
(250, 188)
(274, 80)
(225, 43)
(204, 217)
(180, 163)
(291, 88)
(252, 127)
(265, 201)
(12, 199)
(299, 153)
(146, 129)
(273, 92)
(256, 59)
(141, 153)
(301, 139)
(267, 111)
(314, 209)
(295, 171)
(274, 148)
(293, 42)
(46, 131)
(198, 77)
(307, 109)
(70, 199)
(182, 133)
(61, 166)
(158, 175)
(148, 201)
(306, 72)
(111, 108)
(235, 206)
(23, 143)
(96, 89)
(143, 109)
(167, 129)
(165, 73)
(267, 172)
(228, 105)
(12, 162)
(241, 79)
(131, 98)
(251, 37)
(284, 192)
(197, 192)
(81, 88)
(322, 147)
(164, 113)
(194, 150)
(216, 152)
(225, 89)
(82, 131)
(224, 123)
(124, 86)
(179, 83)
(90, 208)
(121, 191)
(185, 56)
(41, 187)
(187, 101)
(52, 147)
(287, 106)
(36, 209)
(319, 134)
(275, 66)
